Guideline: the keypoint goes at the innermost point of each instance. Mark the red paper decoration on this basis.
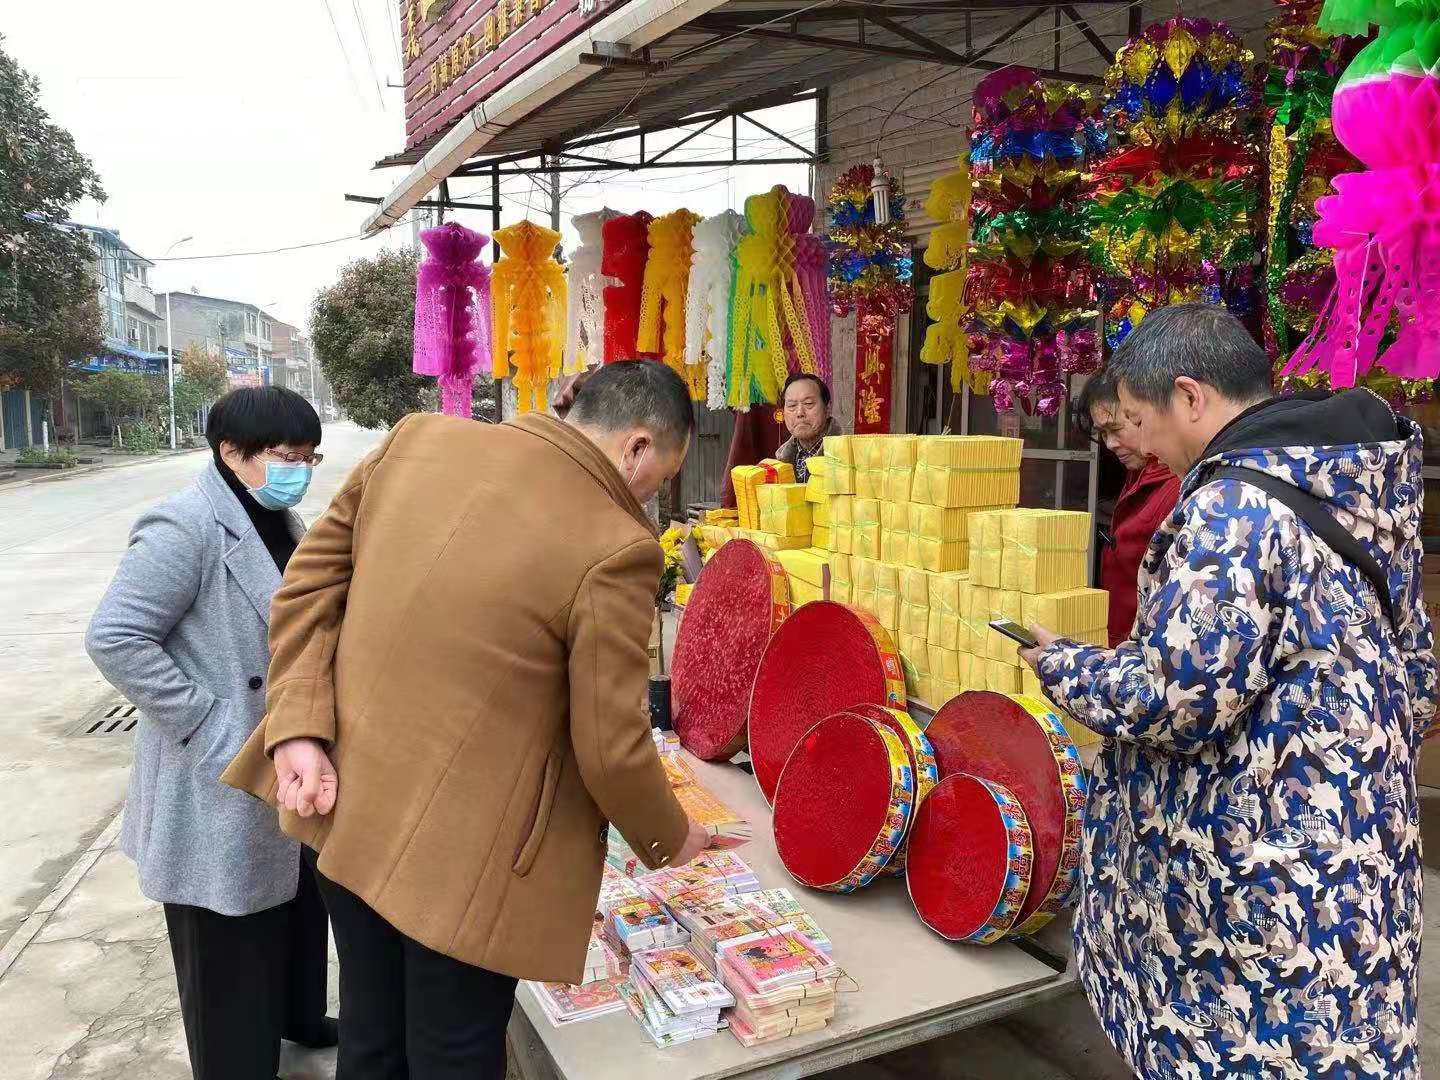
(824, 658)
(843, 804)
(626, 241)
(1021, 744)
(970, 860)
(741, 599)
(919, 753)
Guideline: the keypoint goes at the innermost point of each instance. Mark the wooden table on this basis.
(913, 985)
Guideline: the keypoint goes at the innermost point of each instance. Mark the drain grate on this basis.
(112, 718)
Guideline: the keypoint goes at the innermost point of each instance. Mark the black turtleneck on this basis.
(272, 525)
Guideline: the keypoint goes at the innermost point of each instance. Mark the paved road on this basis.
(60, 541)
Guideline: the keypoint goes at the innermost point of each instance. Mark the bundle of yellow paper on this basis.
(808, 566)
(915, 620)
(898, 462)
(916, 651)
(986, 547)
(938, 556)
(748, 479)
(1047, 530)
(894, 546)
(838, 449)
(774, 541)
(1044, 571)
(842, 509)
(802, 592)
(840, 567)
(915, 586)
(817, 487)
(682, 593)
(895, 515)
(887, 596)
(943, 630)
(842, 592)
(867, 540)
(865, 511)
(947, 486)
(864, 599)
(842, 538)
(1008, 605)
(1001, 649)
(869, 483)
(868, 451)
(1074, 611)
(819, 511)
(722, 516)
(1002, 678)
(788, 521)
(939, 522)
(969, 451)
(943, 691)
(781, 497)
(944, 664)
(862, 573)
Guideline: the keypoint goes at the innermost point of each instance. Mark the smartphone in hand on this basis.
(1015, 632)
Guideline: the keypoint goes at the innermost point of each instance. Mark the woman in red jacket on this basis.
(1147, 499)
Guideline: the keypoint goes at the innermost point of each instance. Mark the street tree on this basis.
(48, 315)
(203, 378)
(118, 394)
(363, 333)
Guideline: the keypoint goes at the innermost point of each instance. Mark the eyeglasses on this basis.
(290, 457)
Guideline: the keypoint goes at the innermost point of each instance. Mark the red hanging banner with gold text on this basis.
(872, 386)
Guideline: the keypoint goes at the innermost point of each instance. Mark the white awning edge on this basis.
(637, 24)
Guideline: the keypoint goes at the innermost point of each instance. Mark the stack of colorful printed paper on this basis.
(641, 925)
(783, 986)
(675, 997)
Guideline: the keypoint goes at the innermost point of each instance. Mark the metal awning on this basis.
(658, 65)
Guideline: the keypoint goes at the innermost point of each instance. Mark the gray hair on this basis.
(1197, 341)
(636, 394)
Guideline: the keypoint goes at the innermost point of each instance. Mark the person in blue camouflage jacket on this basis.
(1250, 901)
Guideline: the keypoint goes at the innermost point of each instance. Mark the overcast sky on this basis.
(244, 125)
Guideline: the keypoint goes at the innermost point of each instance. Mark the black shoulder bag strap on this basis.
(1314, 513)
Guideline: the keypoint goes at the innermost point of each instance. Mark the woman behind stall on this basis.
(1146, 500)
(181, 632)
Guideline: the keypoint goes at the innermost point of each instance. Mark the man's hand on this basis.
(305, 779)
(696, 841)
(1043, 640)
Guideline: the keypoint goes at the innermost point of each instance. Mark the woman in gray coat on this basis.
(181, 632)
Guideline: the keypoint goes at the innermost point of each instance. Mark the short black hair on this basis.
(1197, 341)
(255, 418)
(1099, 389)
(636, 393)
(800, 376)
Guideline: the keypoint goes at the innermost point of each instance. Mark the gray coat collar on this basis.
(246, 558)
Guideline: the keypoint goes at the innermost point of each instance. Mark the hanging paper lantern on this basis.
(810, 271)
(452, 313)
(823, 659)
(585, 335)
(662, 302)
(1174, 213)
(770, 334)
(1384, 222)
(707, 304)
(529, 309)
(946, 341)
(1029, 286)
(871, 269)
(739, 602)
(1020, 742)
(843, 803)
(626, 249)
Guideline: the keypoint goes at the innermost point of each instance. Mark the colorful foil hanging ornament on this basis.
(707, 304)
(1029, 285)
(1303, 156)
(452, 313)
(626, 248)
(1175, 202)
(662, 304)
(1384, 222)
(585, 328)
(528, 296)
(871, 275)
(947, 253)
(769, 324)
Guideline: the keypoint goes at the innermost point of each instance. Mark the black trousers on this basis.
(408, 1012)
(247, 981)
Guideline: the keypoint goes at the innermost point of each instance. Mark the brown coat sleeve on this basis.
(306, 613)
(608, 635)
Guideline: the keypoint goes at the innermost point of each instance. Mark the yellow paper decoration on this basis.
(527, 291)
(948, 250)
(667, 276)
(767, 303)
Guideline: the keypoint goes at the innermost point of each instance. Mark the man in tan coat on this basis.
(458, 666)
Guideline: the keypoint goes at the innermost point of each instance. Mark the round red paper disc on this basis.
(742, 597)
(824, 658)
(843, 803)
(970, 860)
(1021, 744)
(917, 749)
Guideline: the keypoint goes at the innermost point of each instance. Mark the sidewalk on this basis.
(96, 458)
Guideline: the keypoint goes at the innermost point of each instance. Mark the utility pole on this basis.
(170, 347)
(555, 193)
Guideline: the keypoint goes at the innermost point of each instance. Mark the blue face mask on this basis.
(284, 486)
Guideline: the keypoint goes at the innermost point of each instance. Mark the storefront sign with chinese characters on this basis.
(458, 53)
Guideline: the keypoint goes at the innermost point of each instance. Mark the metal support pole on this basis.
(170, 365)
(495, 213)
(555, 195)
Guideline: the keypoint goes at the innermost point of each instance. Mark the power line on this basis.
(344, 52)
(271, 251)
(369, 55)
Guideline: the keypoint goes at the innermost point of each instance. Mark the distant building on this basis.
(294, 366)
(238, 332)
